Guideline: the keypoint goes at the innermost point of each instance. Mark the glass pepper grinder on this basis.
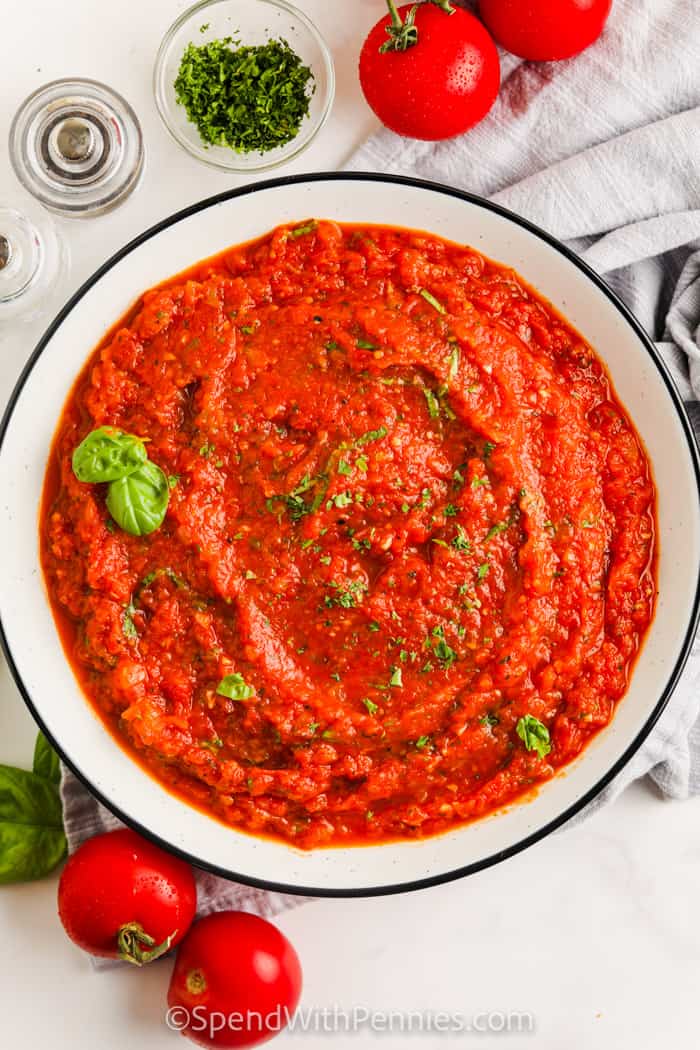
(77, 146)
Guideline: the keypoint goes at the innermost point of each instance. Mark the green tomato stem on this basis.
(395, 16)
(403, 35)
(138, 947)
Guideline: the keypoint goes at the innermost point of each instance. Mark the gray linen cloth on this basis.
(603, 151)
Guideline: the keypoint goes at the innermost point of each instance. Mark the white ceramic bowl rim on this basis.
(673, 676)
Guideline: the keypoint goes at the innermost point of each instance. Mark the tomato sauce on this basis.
(408, 511)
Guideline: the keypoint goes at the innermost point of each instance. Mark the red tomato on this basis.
(236, 982)
(545, 30)
(442, 78)
(124, 898)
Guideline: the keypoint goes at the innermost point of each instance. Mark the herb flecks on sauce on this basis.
(356, 601)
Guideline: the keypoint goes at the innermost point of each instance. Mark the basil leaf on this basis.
(138, 502)
(235, 687)
(107, 454)
(534, 734)
(46, 762)
(26, 798)
(29, 852)
(32, 841)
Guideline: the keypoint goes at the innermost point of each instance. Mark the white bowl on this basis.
(29, 634)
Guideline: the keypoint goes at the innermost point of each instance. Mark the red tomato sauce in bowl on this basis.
(408, 516)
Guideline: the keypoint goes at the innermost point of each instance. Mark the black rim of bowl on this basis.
(674, 675)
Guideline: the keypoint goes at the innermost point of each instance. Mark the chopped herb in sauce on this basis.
(430, 298)
(235, 687)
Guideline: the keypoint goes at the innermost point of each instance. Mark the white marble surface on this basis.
(594, 932)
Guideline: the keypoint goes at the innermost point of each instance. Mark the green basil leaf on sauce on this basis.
(534, 734)
(235, 687)
(46, 763)
(32, 841)
(138, 502)
(108, 454)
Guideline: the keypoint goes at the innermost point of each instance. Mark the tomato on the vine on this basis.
(236, 982)
(430, 70)
(545, 30)
(124, 898)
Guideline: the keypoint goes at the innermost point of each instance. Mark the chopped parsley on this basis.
(346, 598)
(370, 705)
(294, 502)
(442, 651)
(422, 742)
(432, 402)
(246, 98)
(364, 344)
(495, 530)
(156, 574)
(483, 570)
(461, 540)
(128, 625)
(343, 499)
(435, 303)
(301, 231)
(212, 745)
(372, 435)
(396, 680)
(344, 468)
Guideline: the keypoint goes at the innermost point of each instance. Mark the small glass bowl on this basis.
(252, 22)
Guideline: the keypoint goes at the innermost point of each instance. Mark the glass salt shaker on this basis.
(33, 259)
